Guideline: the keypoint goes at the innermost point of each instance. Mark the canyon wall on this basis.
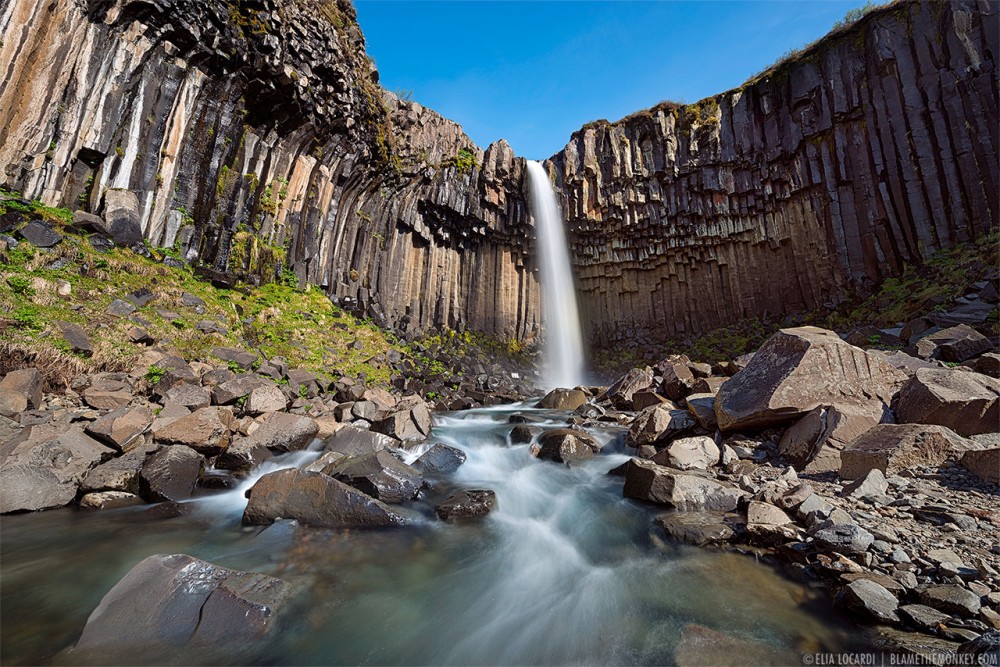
(253, 129)
(815, 181)
(257, 139)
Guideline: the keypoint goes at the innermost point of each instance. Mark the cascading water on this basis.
(564, 341)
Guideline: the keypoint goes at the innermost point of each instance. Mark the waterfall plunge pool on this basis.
(563, 572)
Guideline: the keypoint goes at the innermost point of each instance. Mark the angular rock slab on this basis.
(563, 399)
(121, 428)
(315, 499)
(658, 422)
(178, 600)
(984, 464)
(684, 491)
(968, 403)
(170, 474)
(440, 459)
(697, 528)
(566, 445)
(797, 370)
(20, 390)
(622, 392)
(870, 601)
(695, 453)
(892, 448)
(279, 432)
(380, 475)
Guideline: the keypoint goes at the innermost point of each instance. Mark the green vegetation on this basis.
(155, 374)
(464, 161)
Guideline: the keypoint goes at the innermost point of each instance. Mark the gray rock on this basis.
(622, 392)
(120, 308)
(873, 483)
(266, 398)
(178, 600)
(693, 453)
(206, 431)
(697, 528)
(702, 407)
(108, 500)
(189, 395)
(649, 482)
(121, 217)
(40, 234)
(968, 403)
(245, 360)
(658, 423)
(314, 499)
(871, 601)
(19, 391)
(984, 464)
(380, 475)
(565, 445)
(845, 539)
(563, 399)
(892, 448)
(232, 390)
(470, 503)
(170, 474)
(121, 428)
(440, 459)
(951, 599)
(352, 441)
(76, 337)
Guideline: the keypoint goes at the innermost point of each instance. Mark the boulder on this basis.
(985, 648)
(314, 499)
(922, 617)
(352, 441)
(440, 459)
(563, 399)
(871, 601)
(622, 392)
(814, 443)
(177, 600)
(987, 364)
(407, 425)
(267, 398)
(984, 464)
(797, 370)
(695, 453)
(697, 528)
(652, 483)
(44, 468)
(380, 475)
(565, 445)
(189, 395)
(892, 448)
(467, 504)
(279, 432)
(644, 399)
(658, 423)
(170, 474)
(848, 538)
(206, 431)
(121, 217)
(243, 359)
(232, 390)
(77, 338)
(950, 598)
(120, 473)
(702, 407)
(108, 391)
(872, 485)
(709, 385)
(40, 234)
(869, 336)
(955, 344)
(522, 433)
(677, 379)
(968, 403)
(120, 308)
(19, 391)
(122, 428)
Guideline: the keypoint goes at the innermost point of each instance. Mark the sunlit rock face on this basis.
(245, 131)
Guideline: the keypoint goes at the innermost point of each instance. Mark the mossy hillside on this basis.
(302, 326)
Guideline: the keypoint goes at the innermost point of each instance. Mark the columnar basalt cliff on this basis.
(817, 180)
(250, 128)
(254, 132)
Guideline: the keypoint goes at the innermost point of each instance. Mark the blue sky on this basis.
(533, 72)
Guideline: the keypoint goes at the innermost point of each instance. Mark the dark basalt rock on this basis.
(170, 474)
(40, 234)
(471, 503)
(380, 474)
(440, 459)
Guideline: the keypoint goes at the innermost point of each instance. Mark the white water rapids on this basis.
(564, 341)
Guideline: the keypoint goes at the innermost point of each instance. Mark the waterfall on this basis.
(564, 341)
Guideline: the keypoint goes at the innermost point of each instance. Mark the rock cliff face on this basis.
(250, 128)
(255, 130)
(820, 178)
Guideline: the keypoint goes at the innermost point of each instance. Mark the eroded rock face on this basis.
(891, 448)
(799, 369)
(967, 403)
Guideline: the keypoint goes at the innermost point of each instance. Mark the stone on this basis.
(245, 360)
(563, 399)
(872, 484)
(120, 308)
(77, 338)
(380, 475)
(189, 395)
(845, 539)
(44, 467)
(892, 448)
(19, 391)
(950, 599)
(564, 445)
(939, 556)
(797, 370)
(814, 443)
(702, 407)
(694, 453)
(983, 463)
(315, 499)
(954, 344)
(140, 336)
(766, 514)
(170, 474)
(644, 399)
(406, 425)
(279, 432)
(121, 428)
(968, 403)
(521, 434)
(204, 430)
(108, 500)
(440, 460)
(352, 441)
(987, 364)
(652, 483)
(231, 391)
(985, 648)
(120, 473)
(677, 379)
(709, 385)
(177, 600)
(107, 392)
(700, 646)
(88, 223)
(121, 217)
(267, 398)
(869, 336)
(658, 423)
(697, 528)
(871, 601)
(922, 617)
(40, 234)
(622, 392)
(471, 503)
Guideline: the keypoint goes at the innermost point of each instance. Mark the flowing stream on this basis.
(564, 341)
(565, 571)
